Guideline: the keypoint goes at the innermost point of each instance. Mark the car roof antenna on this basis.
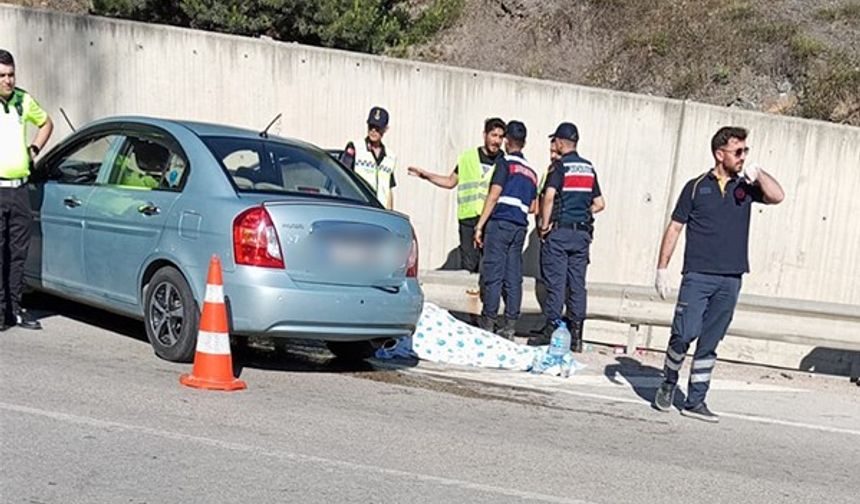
(265, 132)
(67, 119)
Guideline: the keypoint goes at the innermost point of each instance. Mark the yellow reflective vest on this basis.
(473, 183)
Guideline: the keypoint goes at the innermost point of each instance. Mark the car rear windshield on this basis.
(269, 166)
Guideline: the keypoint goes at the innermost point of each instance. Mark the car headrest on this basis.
(150, 156)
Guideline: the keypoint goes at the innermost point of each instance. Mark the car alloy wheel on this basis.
(171, 315)
(166, 314)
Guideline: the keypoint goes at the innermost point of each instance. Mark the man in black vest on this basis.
(571, 198)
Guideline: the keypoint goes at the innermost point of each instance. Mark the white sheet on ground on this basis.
(439, 337)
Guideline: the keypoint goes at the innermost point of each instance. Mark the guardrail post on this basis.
(632, 339)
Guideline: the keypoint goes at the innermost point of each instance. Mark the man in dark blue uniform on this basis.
(571, 198)
(504, 220)
(715, 207)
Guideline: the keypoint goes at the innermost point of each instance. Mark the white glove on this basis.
(661, 283)
(751, 172)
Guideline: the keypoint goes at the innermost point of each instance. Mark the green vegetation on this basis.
(804, 47)
(773, 32)
(832, 92)
(371, 26)
(849, 12)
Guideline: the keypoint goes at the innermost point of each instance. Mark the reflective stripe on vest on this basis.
(574, 202)
(377, 175)
(472, 184)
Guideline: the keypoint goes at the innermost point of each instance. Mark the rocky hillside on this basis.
(797, 57)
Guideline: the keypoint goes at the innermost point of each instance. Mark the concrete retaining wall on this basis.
(644, 148)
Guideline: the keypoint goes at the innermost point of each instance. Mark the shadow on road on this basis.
(256, 353)
(644, 379)
(42, 305)
(299, 356)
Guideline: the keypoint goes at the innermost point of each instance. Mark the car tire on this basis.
(351, 350)
(171, 316)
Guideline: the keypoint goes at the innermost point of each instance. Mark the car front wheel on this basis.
(171, 316)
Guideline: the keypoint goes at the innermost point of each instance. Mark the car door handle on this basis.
(71, 202)
(149, 209)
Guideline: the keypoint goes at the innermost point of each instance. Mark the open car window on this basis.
(148, 164)
(81, 163)
(274, 167)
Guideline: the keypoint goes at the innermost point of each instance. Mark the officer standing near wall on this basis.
(571, 198)
(16, 155)
(471, 177)
(370, 159)
(501, 232)
(715, 207)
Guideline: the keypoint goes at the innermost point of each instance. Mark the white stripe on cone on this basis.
(213, 343)
(214, 293)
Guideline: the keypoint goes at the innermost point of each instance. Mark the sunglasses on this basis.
(740, 151)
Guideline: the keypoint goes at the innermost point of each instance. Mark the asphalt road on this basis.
(89, 415)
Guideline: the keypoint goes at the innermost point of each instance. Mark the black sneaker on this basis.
(24, 320)
(701, 412)
(665, 397)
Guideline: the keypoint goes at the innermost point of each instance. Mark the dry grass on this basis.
(75, 6)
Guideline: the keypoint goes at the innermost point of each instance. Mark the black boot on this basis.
(544, 335)
(487, 323)
(509, 329)
(576, 336)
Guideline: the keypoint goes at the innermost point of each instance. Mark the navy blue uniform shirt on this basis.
(718, 224)
(576, 186)
(519, 188)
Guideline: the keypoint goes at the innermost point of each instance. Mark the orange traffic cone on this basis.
(213, 365)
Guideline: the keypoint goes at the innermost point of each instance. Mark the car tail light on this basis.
(412, 262)
(255, 240)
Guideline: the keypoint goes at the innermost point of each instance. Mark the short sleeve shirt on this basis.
(16, 112)
(576, 184)
(718, 222)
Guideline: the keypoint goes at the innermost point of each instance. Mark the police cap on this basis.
(566, 131)
(378, 116)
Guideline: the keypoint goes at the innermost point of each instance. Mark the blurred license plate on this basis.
(352, 254)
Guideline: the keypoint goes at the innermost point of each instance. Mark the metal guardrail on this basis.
(827, 325)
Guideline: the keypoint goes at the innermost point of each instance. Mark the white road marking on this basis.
(505, 379)
(286, 455)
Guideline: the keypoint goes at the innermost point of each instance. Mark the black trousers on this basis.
(470, 256)
(15, 221)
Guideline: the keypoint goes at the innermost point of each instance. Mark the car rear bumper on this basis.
(267, 303)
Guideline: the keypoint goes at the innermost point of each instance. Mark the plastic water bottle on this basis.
(559, 343)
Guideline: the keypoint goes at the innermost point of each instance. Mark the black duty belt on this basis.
(576, 226)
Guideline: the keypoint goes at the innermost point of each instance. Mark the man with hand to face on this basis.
(715, 208)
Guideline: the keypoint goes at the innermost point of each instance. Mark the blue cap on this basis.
(566, 131)
(516, 131)
(378, 116)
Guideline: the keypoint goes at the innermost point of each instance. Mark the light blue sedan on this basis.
(128, 212)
